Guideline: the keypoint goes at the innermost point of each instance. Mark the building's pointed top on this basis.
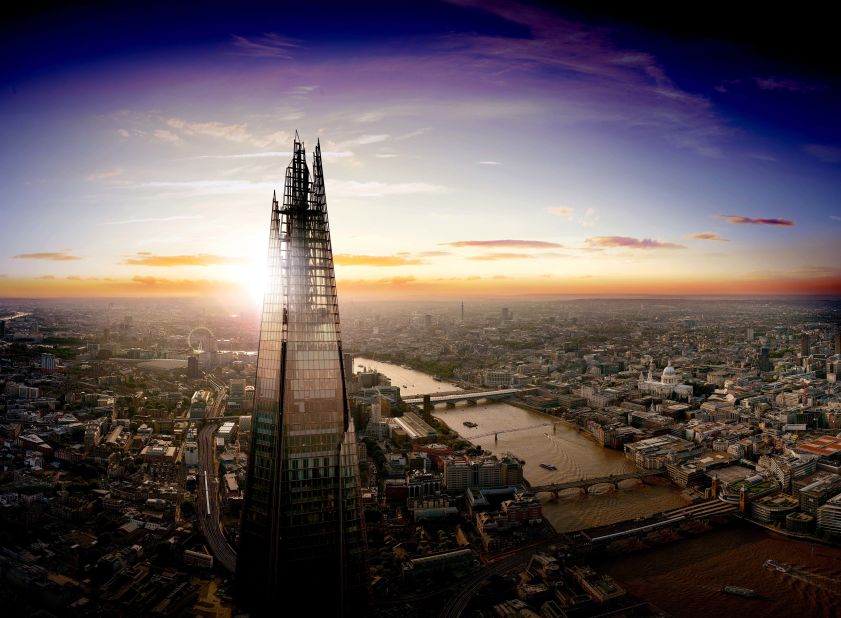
(297, 139)
(274, 195)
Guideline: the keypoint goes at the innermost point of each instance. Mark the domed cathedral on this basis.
(667, 387)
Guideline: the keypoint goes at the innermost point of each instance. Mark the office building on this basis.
(193, 367)
(302, 537)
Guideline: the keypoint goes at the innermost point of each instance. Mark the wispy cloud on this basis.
(52, 256)
(823, 152)
(144, 258)
(627, 242)
(354, 188)
(269, 45)
(779, 83)
(386, 155)
(237, 133)
(365, 139)
(590, 218)
(706, 236)
(600, 80)
(152, 220)
(102, 175)
(562, 211)
(505, 243)
(411, 134)
(489, 163)
(738, 219)
(166, 136)
(346, 259)
(278, 154)
(300, 91)
(835, 217)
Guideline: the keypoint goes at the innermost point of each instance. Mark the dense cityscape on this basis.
(125, 441)
(568, 344)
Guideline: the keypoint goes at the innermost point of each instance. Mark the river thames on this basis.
(546, 441)
(684, 578)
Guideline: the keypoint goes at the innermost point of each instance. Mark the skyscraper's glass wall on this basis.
(302, 531)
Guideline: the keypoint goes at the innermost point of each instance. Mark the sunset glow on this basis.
(515, 151)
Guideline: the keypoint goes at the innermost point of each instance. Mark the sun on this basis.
(255, 275)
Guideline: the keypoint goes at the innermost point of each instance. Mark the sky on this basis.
(470, 148)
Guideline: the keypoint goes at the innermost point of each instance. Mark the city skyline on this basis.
(478, 150)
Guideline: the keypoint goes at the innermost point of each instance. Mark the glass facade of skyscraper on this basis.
(302, 531)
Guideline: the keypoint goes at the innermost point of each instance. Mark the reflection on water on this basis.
(545, 441)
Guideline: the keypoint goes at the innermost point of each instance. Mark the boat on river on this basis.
(470, 424)
(549, 466)
(739, 591)
(782, 567)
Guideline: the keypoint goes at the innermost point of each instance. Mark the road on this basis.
(207, 491)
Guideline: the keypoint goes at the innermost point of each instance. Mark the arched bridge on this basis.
(468, 396)
(586, 484)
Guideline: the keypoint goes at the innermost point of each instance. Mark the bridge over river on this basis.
(468, 396)
(585, 484)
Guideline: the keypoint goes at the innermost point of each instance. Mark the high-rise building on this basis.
(302, 534)
(48, 362)
(804, 344)
(838, 342)
(764, 359)
(193, 367)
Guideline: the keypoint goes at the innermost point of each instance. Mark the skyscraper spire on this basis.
(302, 527)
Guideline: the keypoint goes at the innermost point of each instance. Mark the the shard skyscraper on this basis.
(302, 537)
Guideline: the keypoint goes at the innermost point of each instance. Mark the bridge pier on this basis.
(616, 486)
(471, 402)
(585, 489)
(451, 404)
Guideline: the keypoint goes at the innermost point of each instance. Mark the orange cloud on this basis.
(346, 259)
(626, 242)
(507, 244)
(144, 258)
(490, 257)
(54, 256)
(738, 219)
(706, 236)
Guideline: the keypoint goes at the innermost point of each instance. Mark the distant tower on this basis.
(804, 344)
(837, 340)
(764, 359)
(302, 535)
(193, 367)
(462, 314)
(749, 334)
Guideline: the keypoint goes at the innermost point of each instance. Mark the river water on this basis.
(537, 439)
(684, 578)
